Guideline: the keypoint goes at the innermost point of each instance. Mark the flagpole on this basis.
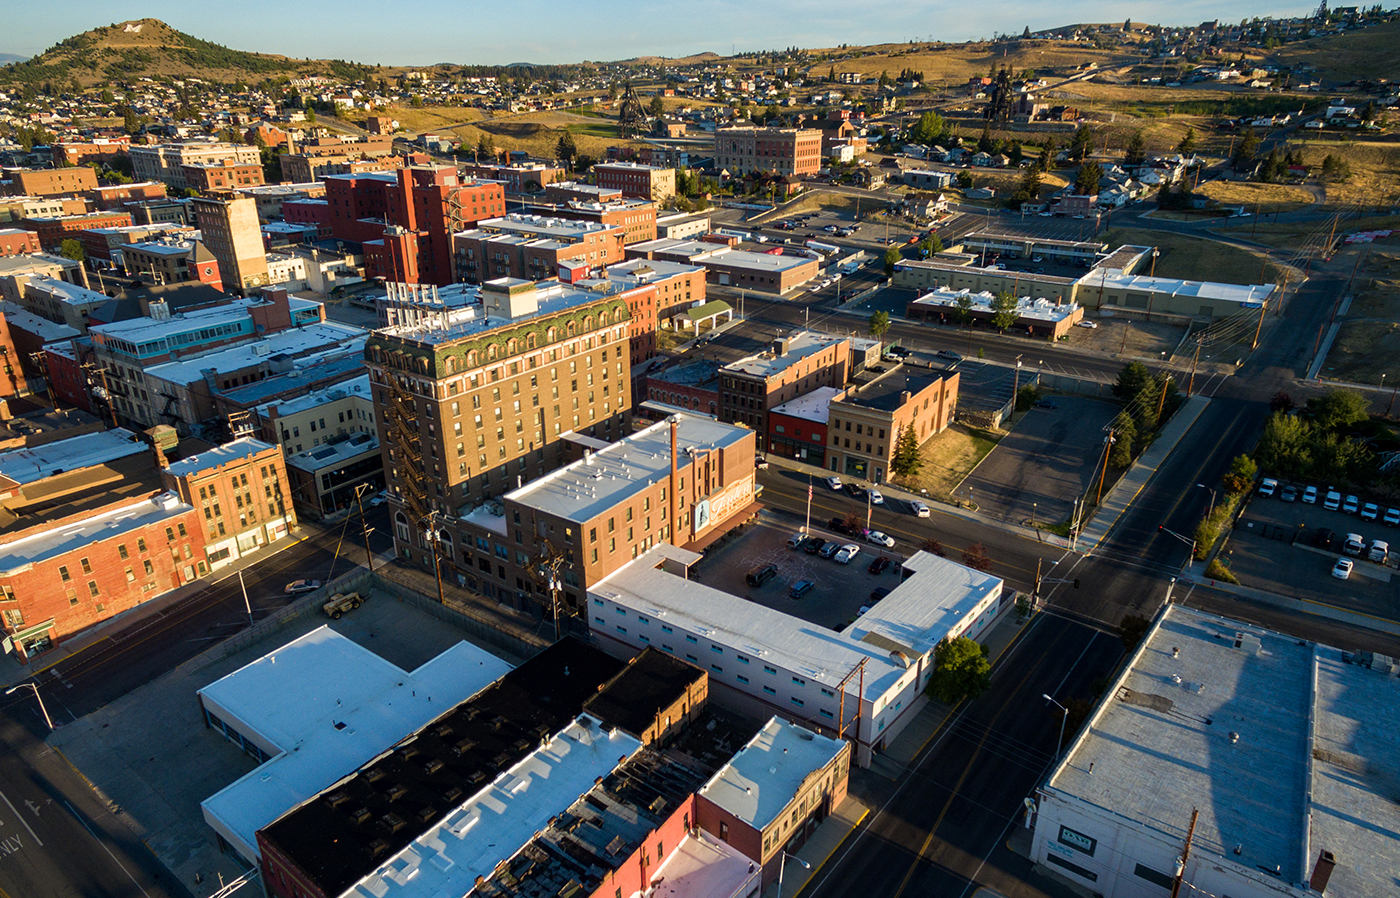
(808, 527)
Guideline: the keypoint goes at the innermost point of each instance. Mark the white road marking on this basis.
(108, 850)
(22, 820)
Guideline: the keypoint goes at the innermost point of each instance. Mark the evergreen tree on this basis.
(1136, 152)
(907, 461)
(1086, 183)
(1187, 146)
(1243, 156)
(566, 149)
(984, 143)
(1124, 432)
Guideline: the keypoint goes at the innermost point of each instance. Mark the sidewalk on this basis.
(132, 620)
(1355, 618)
(1139, 475)
(817, 850)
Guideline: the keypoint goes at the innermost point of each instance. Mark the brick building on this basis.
(105, 243)
(172, 261)
(116, 196)
(229, 228)
(797, 429)
(637, 218)
(97, 150)
(63, 575)
(214, 177)
(772, 272)
(866, 421)
(18, 241)
(517, 177)
(531, 247)
(53, 231)
(406, 219)
(646, 182)
(166, 162)
(240, 493)
(49, 181)
(792, 367)
(316, 159)
(782, 151)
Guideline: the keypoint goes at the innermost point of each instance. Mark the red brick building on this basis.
(405, 219)
(531, 247)
(64, 575)
(51, 181)
(797, 428)
(782, 151)
(111, 198)
(310, 212)
(213, 177)
(637, 218)
(17, 241)
(99, 150)
(646, 182)
(53, 231)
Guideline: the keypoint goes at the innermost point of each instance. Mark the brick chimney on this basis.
(1322, 872)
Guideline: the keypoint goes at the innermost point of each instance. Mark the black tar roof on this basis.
(340, 836)
(653, 680)
(883, 394)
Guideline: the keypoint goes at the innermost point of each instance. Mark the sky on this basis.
(422, 32)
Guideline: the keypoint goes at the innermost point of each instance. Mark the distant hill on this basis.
(11, 57)
(151, 48)
(1363, 55)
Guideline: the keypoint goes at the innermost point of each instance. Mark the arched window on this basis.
(471, 358)
(491, 351)
(530, 341)
(510, 346)
(572, 328)
(451, 364)
(550, 334)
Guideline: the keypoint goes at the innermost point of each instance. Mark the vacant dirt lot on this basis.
(1261, 198)
(1192, 258)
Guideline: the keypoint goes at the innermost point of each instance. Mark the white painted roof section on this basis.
(64, 292)
(141, 330)
(331, 454)
(592, 485)
(540, 226)
(1026, 307)
(308, 338)
(219, 455)
(925, 607)
(764, 777)
(47, 331)
(75, 535)
(1245, 295)
(355, 386)
(813, 406)
(701, 866)
(38, 462)
(701, 253)
(296, 696)
(498, 821)
(800, 347)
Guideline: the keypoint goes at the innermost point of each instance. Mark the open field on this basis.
(948, 458)
(1258, 198)
(1290, 234)
(1367, 346)
(1377, 283)
(1369, 53)
(953, 64)
(429, 118)
(1192, 258)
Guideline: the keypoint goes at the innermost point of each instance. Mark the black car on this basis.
(1322, 538)
(813, 545)
(856, 490)
(1046, 403)
(878, 593)
(761, 576)
(878, 564)
(839, 526)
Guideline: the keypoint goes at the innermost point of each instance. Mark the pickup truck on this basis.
(340, 603)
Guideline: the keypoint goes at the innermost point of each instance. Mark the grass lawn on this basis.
(948, 458)
(1191, 258)
(1266, 197)
(1290, 234)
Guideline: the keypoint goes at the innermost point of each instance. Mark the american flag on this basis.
(809, 491)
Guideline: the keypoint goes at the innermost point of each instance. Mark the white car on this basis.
(1268, 486)
(834, 483)
(1310, 495)
(1342, 569)
(848, 551)
(920, 509)
(1392, 517)
(1369, 511)
(876, 538)
(1091, 325)
(875, 497)
(1354, 545)
(297, 587)
(379, 498)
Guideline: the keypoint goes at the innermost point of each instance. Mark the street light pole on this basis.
(783, 858)
(37, 696)
(246, 603)
(1059, 746)
(1211, 510)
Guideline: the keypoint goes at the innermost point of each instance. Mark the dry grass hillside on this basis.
(1371, 53)
(955, 63)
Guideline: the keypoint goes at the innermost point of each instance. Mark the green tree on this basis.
(1029, 189)
(984, 140)
(960, 670)
(1132, 629)
(1136, 152)
(1245, 151)
(72, 249)
(485, 147)
(1338, 409)
(1285, 445)
(892, 258)
(929, 129)
(907, 460)
(1187, 145)
(1124, 433)
(566, 149)
(1241, 475)
(963, 179)
(1131, 381)
(1335, 168)
(935, 244)
(879, 324)
(1047, 156)
(657, 107)
(1086, 183)
(1081, 144)
(963, 311)
(1004, 310)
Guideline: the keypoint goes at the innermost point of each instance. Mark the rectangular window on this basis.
(827, 714)
(121, 550)
(770, 690)
(666, 629)
(742, 659)
(1071, 867)
(63, 573)
(799, 681)
(87, 566)
(797, 701)
(691, 639)
(1152, 876)
(741, 678)
(92, 587)
(717, 649)
(716, 668)
(769, 670)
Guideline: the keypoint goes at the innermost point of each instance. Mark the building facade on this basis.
(166, 162)
(792, 367)
(646, 182)
(865, 423)
(782, 151)
(230, 229)
(51, 181)
(529, 247)
(211, 177)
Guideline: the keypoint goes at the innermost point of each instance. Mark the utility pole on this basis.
(1185, 855)
(1103, 474)
(807, 528)
(1190, 384)
(246, 603)
(1259, 327)
(1162, 399)
(369, 556)
(1391, 404)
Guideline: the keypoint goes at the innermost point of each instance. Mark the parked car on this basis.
(761, 576)
(1353, 544)
(876, 595)
(949, 354)
(1289, 494)
(1333, 500)
(875, 497)
(855, 490)
(1380, 551)
(1369, 512)
(1322, 538)
(878, 564)
(800, 589)
(1351, 505)
(1268, 486)
(1342, 569)
(1310, 495)
(1089, 324)
(876, 538)
(297, 587)
(1046, 403)
(847, 552)
(920, 509)
(379, 498)
(833, 482)
(813, 545)
(1392, 517)
(830, 549)
(796, 540)
(839, 526)
(760, 463)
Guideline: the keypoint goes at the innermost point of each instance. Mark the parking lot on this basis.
(838, 591)
(1043, 465)
(1273, 548)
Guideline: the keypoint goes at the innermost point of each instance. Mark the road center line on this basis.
(106, 849)
(22, 820)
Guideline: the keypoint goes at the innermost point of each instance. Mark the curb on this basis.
(817, 867)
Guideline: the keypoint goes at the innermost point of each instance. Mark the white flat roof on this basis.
(469, 841)
(65, 292)
(329, 454)
(813, 406)
(219, 455)
(355, 386)
(799, 347)
(1247, 296)
(927, 604)
(46, 330)
(74, 535)
(701, 866)
(308, 338)
(1026, 307)
(586, 488)
(297, 697)
(141, 330)
(703, 253)
(38, 462)
(765, 775)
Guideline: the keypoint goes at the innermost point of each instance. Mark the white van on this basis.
(1380, 551)
(1268, 487)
